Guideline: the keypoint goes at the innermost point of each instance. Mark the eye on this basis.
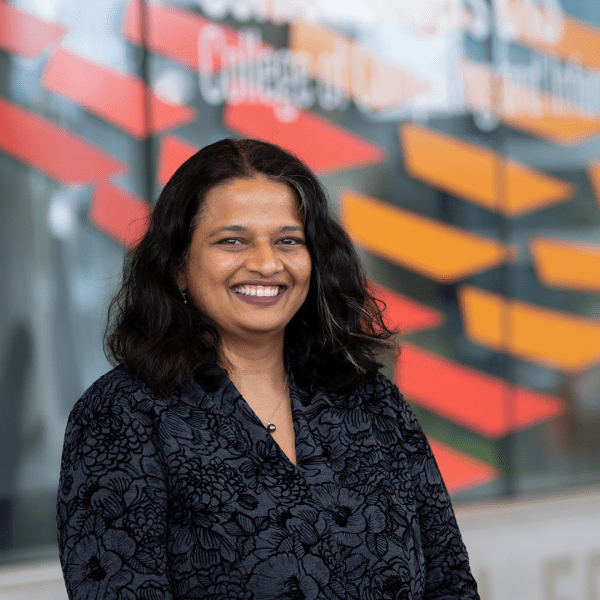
(290, 241)
(230, 242)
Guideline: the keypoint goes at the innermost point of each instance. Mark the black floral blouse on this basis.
(191, 498)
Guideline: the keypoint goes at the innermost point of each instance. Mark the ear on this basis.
(181, 280)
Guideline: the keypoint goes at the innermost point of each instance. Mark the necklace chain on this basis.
(269, 425)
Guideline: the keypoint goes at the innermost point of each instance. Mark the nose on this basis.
(263, 259)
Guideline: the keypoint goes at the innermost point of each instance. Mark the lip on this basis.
(263, 301)
(262, 282)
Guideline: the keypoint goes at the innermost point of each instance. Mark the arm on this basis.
(112, 500)
(448, 575)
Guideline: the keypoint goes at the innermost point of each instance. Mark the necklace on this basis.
(269, 425)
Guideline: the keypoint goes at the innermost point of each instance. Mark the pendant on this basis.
(271, 428)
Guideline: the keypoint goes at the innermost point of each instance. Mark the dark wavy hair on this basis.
(336, 337)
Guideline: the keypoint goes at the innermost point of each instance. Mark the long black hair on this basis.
(335, 338)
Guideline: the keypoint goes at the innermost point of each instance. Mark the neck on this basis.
(256, 360)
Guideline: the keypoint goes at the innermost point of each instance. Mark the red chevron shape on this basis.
(404, 314)
(469, 397)
(120, 214)
(322, 145)
(117, 98)
(174, 33)
(460, 470)
(172, 154)
(49, 148)
(24, 34)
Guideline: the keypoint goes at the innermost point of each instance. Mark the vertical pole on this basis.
(499, 50)
(148, 143)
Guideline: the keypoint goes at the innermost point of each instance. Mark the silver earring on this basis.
(182, 292)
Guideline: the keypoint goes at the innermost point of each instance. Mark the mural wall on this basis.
(458, 139)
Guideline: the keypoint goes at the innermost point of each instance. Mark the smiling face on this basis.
(248, 266)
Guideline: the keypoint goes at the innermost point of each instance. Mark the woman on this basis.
(246, 445)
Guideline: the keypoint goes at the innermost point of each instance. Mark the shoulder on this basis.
(110, 429)
(381, 389)
(383, 393)
(112, 398)
(113, 383)
(378, 395)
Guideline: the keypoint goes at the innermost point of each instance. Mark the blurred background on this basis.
(460, 143)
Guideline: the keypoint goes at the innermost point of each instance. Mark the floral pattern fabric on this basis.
(191, 498)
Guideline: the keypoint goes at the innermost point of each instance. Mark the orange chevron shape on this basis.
(552, 338)
(469, 397)
(526, 109)
(594, 174)
(434, 249)
(353, 69)
(472, 172)
(115, 97)
(120, 214)
(405, 314)
(578, 39)
(172, 154)
(566, 265)
(24, 34)
(460, 470)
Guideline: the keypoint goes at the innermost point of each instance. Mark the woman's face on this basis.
(248, 266)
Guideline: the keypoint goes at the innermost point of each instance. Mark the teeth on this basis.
(257, 290)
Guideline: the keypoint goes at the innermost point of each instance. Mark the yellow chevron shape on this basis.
(433, 249)
(566, 265)
(477, 174)
(552, 338)
(554, 119)
(594, 174)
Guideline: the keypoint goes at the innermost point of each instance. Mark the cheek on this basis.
(302, 272)
(308, 273)
(213, 269)
(218, 268)
(307, 267)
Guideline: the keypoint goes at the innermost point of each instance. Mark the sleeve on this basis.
(448, 574)
(112, 500)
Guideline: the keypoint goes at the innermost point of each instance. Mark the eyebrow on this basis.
(236, 228)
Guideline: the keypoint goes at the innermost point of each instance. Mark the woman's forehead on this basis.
(247, 197)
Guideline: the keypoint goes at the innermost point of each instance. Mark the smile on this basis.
(260, 296)
(257, 290)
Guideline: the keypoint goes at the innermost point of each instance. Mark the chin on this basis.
(262, 329)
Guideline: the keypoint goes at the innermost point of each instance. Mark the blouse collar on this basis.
(220, 394)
